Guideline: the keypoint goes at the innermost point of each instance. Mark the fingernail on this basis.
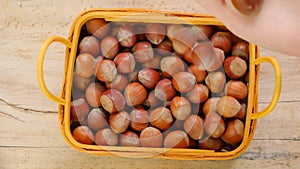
(246, 7)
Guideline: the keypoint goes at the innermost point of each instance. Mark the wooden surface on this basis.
(30, 135)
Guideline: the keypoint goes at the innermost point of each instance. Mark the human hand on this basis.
(272, 24)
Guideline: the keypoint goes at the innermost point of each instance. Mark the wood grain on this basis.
(30, 135)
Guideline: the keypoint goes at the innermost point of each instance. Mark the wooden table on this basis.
(30, 135)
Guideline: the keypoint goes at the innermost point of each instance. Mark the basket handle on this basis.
(40, 66)
(277, 89)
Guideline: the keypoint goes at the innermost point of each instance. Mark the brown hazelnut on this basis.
(119, 83)
(85, 65)
(130, 139)
(180, 108)
(89, 44)
(83, 134)
(81, 82)
(151, 101)
(234, 132)
(97, 119)
(164, 90)
(135, 94)
(198, 94)
(93, 93)
(236, 89)
(235, 67)
(112, 101)
(143, 52)
(222, 40)
(171, 65)
(155, 32)
(242, 113)
(211, 143)
(215, 81)
(165, 47)
(79, 110)
(106, 70)
(210, 105)
(106, 137)
(184, 39)
(228, 106)
(151, 137)
(176, 139)
(183, 81)
(139, 119)
(148, 77)
(194, 127)
(241, 49)
(98, 27)
(109, 47)
(171, 29)
(198, 72)
(119, 121)
(161, 118)
(214, 125)
(125, 62)
(126, 36)
(154, 63)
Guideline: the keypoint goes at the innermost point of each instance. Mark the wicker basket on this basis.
(140, 15)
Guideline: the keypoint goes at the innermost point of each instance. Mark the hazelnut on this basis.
(235, 67)
(119, 83)
(154, 63)
(135, 94)
(130, 139)
(242, 113)
(106, 71)
(85, 65)
(210, 105)
(151, 137)
(214, 125)
(109, 47)
(112, 101)
(228, 106)
(198, 94)
(171, 65)
(93, 93)
(89, 44)
(83, 134)
(236, 89)
(211, 143)
(151, 101)
(106, 137)
(119, 122)
(198, 72)
(234, 132)
(148, 77)
(207, 57)
(81, 82)
(164, 90)
(206, 32)
(143, 52)
(183, 81)
(79, 110)
(222, 40)
(139, 119)
(180, 108)
(125, 62)
(97, 119)
(171, 29)
(184, 39)
(161, 118)
(165, 47)
(126, 36)
(176, 139)
(155, 32)
(97, 27)
(241, 49)
(215, 81)
(194, 127)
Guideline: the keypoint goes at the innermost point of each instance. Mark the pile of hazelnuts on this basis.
(159, 85)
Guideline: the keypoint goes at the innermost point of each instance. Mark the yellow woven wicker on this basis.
(140, 15)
